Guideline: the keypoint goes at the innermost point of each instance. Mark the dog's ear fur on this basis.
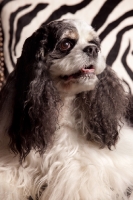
(102, 109)
(29, 99)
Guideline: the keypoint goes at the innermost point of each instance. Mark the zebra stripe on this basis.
(114, 24)
(25, 20)
(11, 31)
(103, 13)
(123, 59)
(64, 9)
(116, 47)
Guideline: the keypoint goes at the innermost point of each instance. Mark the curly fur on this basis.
(108, 102)
(35, 103)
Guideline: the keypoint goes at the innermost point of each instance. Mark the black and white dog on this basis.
(63, 134)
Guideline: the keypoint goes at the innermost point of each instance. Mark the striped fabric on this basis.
(112, 19)
(2, 78)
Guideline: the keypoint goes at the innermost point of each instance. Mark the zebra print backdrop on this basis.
(112, 19)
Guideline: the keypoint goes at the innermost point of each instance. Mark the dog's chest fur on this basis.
(72, 168)
(83, 169)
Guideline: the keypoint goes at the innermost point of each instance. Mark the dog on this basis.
(64, 133)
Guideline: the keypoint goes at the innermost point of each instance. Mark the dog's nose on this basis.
(91, 51)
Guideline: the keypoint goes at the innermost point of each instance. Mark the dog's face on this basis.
(75, 57)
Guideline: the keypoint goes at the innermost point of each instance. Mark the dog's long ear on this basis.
(29, 99)
(102, 109)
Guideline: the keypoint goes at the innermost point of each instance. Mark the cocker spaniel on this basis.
(63, 133)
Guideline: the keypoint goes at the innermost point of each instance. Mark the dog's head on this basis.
(71, 51)
(75, 57)
(62, 58)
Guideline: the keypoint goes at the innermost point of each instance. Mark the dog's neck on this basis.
(66, 112)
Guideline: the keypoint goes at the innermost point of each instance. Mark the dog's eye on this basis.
(64, 45)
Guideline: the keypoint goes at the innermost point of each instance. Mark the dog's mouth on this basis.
(84, 72)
